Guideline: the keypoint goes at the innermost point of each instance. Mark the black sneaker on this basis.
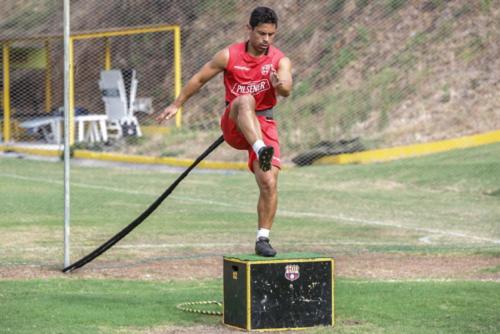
(265, 156)
(264, 248)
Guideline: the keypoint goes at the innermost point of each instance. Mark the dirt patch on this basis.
(32, 235)
(163, 269)
(221, 329)
(181, 330)
(409, 267)
(359, 266)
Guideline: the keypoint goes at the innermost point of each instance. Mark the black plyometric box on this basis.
(290, 291)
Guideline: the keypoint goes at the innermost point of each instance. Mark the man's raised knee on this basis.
(245, 101)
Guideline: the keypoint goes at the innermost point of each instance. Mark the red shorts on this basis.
(235, 138)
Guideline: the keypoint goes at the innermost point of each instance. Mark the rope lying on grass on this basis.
(120, 235)
(184, 307)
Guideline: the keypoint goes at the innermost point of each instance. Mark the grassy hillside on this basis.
(391, 72)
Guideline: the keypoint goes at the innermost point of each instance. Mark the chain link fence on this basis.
(367, 73)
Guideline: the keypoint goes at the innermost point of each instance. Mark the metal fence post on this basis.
(67, 111)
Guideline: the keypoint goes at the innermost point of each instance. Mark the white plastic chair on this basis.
(119, 99)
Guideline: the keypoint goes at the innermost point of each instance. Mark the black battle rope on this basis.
(183, 307)
(108, 244)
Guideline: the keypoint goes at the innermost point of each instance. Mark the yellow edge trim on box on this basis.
(235, 260)
(84, 154)
(319, 259)
(286, 329)
(333, 292)
(34, 151)
(272, 329)
(411, 150)
(290, 260)
(283, 329)
(249, 298)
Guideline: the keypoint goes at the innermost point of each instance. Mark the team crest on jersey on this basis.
(253, 87)
(266, 69)
(292, 272)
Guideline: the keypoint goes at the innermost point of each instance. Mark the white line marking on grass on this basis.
(202, 245)
(426, 239)
(422, 280)
(285, 213)
(235, 244)
(117, 190)
(387, 224)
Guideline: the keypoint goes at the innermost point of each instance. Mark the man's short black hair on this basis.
(263, 15)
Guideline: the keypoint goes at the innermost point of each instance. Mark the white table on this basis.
(96, 130)
(91, 128)
(50, 127)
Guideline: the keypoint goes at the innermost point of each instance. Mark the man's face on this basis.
(262, 36)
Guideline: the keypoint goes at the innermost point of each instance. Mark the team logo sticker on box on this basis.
(292, 272)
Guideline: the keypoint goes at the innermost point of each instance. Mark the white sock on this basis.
(263, 232)
(258, 145)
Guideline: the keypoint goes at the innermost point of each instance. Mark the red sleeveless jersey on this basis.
(246, 74)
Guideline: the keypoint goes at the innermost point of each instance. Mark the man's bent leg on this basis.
(266, 206)
(242, 113)
(268, 197)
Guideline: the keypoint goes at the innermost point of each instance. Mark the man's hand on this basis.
(167, 114)
(275, 78)
(281, 79)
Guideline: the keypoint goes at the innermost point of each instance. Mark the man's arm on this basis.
(282, 79)
(216, 65)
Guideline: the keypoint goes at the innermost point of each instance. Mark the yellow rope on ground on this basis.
(185, 307)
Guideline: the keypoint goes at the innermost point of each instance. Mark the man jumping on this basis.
(255, 72)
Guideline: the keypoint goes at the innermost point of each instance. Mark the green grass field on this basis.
(416, 241)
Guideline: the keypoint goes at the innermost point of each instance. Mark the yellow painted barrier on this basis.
(126, 158)
(360, 157)
(31, 150)
(48, 76)
(6, 91)
(114, 32)
(140, 159)
(107, 54)
(393, 153)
